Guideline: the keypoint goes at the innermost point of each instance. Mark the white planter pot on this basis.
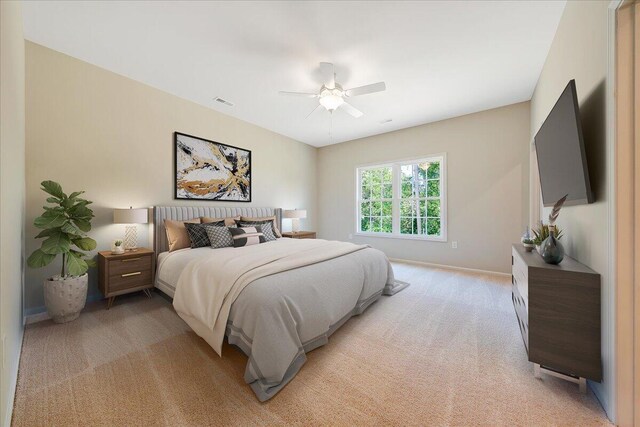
(65, 298)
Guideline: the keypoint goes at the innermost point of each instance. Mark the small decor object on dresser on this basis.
(552, 251)
(527, 241)
(63, 226)
(117, 247)
(299, 234)
(123, 274)
(209, 170)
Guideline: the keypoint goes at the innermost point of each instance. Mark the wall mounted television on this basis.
(562, 161)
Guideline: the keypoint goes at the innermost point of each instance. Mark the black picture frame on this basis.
(177, 195)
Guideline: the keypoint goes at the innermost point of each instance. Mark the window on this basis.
(403, 199)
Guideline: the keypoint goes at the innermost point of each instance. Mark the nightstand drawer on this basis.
(129, 280)
(129, 265)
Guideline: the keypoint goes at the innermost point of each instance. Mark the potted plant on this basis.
(528, 244)
(64, 224)
(542, 232)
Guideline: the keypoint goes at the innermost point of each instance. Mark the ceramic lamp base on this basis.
(295, 225)
(131, 237)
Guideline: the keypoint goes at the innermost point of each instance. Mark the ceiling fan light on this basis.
(331, 101)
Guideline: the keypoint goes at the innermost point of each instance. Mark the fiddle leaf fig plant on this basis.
(64, 224)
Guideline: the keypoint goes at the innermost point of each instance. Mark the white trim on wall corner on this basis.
(14, 384)
(450, 267)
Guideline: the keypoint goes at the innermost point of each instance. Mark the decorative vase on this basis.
(551, 249)
(65, 297)
(117, 250)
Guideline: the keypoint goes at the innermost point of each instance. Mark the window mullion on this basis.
(397, 188)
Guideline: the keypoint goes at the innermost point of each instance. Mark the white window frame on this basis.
(397, 189)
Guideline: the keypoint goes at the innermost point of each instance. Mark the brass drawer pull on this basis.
(131, 259)
(137, 273)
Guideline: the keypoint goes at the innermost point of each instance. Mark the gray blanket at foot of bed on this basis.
(278, 318)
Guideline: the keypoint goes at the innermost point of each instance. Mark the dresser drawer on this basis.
(129, 280)
(118, 267)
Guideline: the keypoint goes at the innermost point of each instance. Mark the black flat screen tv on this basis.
(562, 161)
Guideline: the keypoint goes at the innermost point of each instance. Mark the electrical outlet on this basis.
(454, 245)
(350, 236)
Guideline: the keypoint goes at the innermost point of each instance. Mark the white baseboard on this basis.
(35, 318)
(450, 267)
(14, 383)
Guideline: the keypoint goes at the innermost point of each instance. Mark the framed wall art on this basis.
(209, 170)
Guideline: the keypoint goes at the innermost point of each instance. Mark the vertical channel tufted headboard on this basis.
(181, 213)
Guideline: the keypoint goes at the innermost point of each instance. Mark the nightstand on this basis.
(129, 272)
(300, 234)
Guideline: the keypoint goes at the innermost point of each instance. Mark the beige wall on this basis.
(93, 130)
(487, 186)
(12, 194)
(579, 51)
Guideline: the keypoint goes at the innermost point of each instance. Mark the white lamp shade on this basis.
(130, 216)
(295, 213)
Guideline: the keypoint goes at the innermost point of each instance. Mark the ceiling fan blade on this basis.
(314, 110)
(351, 110)
(363, 90)
(328, 74)
(306, 95)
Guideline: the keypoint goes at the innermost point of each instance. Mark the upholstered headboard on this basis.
(181, 213)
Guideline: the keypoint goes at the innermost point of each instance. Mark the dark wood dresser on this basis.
(558, 311)
(129, 272)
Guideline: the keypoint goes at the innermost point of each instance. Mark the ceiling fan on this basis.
(332, 96)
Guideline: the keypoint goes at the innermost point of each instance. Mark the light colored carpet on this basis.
(445, 351)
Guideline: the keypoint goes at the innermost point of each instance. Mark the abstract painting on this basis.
(209, 170)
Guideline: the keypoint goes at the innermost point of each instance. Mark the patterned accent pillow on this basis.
(198, 234)
(267, 228)
(246, 236)
(274, 224)
(219, 235)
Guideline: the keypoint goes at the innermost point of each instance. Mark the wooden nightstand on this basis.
(122, 274)
(300, 234)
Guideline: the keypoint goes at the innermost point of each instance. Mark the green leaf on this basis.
(39, 259)
(91, 263)
(45, 233)
(80, 211)
(67, 203)
(59, 209)
(53, 200)
(75, 194)
(76, 266)
(85, 243)
(53, 188)
(50, 219)
(82, 224)
(57, 243)
(69, 228)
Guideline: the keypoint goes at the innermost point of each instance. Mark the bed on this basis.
(276, 301)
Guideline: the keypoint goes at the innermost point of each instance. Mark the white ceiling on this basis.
(439, 59)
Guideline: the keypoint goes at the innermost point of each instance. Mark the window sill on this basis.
(441, 239)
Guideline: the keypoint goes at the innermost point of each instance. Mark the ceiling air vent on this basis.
(223, 101)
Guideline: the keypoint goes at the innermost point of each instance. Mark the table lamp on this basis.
(131, 216)
(295, 216)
